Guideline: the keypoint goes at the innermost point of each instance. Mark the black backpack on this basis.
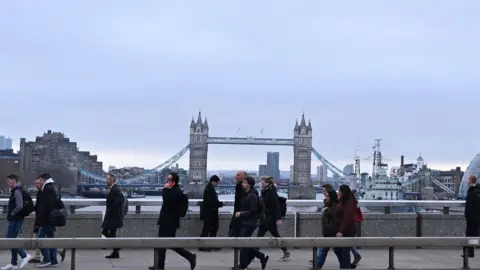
(282, 204)
(183, 208)
(28, 206)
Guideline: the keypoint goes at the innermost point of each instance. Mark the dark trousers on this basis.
(235, 227)
(472, 230)
(246, 254)
(272, 227)
(161, 252)
(210, 226)
(49, 254)
(111, 233)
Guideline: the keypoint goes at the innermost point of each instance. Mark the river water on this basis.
(227, 209)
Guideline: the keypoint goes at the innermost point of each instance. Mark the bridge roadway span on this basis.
(223, 260)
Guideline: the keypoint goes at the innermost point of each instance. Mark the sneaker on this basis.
(9, 267)
(44, 265)
(54, 265)
(264, 261)
(25, 261)
(62, 254)
(286, 255)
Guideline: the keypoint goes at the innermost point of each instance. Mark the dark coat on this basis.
(345, 216)
(210, 203)
(472, 205)
(329, 225)
(46, 203)
(249, 209)
(270, 203)
(114, 210)
(239, 194)
(170, 212)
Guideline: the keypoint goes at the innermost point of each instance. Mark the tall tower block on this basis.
(197, 172)
(302, 187)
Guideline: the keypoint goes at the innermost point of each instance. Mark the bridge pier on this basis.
(302, 193)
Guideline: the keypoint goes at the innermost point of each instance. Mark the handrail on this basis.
(248, 242)
(292, 203)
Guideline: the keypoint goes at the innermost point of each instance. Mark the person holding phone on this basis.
(169, 221)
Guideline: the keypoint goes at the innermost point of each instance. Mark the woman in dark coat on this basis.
(329, 227)
(345, 223)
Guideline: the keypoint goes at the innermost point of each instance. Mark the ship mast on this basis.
(357, 166)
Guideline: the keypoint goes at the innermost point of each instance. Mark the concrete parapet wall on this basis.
(78, 225)
(300, 225)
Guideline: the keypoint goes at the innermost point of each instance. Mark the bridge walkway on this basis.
(372, 259)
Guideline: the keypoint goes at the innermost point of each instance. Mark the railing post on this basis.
(314, 259)
(446, 210)
(391, 258)
(155, 258)
(72, 209)
(418, 226)
(4, 209)
(138, 209)
(72, 258)
(465, 258)
(387, 210)
(235, 258)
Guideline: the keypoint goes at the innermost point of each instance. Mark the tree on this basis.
(62, 176)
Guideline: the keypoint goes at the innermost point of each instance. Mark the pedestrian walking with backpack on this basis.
(174, 206)
(273, 208)
(20, 205)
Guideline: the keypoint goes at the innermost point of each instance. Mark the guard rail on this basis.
(252, 242)
(386, 205)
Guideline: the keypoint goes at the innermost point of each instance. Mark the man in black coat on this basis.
(472, 211)
(113, 219)
(169, 221)
(209, 210)
(235, 226)
(46, 203)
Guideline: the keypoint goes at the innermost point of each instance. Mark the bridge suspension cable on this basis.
(145, 174)
(334, 169)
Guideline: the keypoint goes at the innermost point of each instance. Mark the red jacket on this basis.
(358, 215)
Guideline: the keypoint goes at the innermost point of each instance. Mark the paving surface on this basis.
(372, 259)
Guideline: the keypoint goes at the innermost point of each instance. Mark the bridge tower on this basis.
(197, 172)
(302, 187)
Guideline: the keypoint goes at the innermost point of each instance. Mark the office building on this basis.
(262, 170)
(5, 143)
(322, 173)
(273, 164)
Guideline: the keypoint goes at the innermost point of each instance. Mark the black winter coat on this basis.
(270, 202)
(114, 210)
(249, 209)
(170, 212)
(46, 203)
(210, 203)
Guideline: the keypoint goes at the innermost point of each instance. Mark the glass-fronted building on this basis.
(472, 169)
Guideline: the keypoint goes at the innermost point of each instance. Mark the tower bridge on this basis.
(199, 139)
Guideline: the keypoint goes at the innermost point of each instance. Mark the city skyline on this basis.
(125, 82)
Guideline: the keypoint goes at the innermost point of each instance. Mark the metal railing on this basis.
(386, 204)
(251, 242)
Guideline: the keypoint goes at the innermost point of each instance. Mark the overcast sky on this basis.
(124, 78)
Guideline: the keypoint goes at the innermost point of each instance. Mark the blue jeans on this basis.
(49, 254)
(355, 252)
(322, 257)
(14, 228)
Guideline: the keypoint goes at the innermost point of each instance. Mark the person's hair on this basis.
(214, 178)
(250, 180)
(175, 177)
(473, 178)
(44, 176)
(327, 187)
(268, 180)
(346, 193)
(13, 177)
(112, 176)
(332, 194)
